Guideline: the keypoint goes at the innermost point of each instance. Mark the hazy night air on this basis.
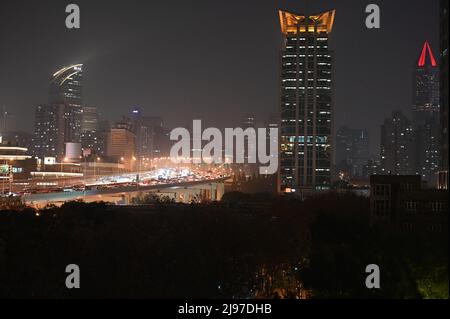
(224, 154)
(207, 59)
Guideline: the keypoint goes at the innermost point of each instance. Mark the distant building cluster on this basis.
(414, 145)
(65, 124)
(414, 153)
(67, 132)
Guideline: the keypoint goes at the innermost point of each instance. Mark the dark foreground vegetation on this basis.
(259, 246)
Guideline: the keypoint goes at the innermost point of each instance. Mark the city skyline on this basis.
(224, 150)
(224, 85)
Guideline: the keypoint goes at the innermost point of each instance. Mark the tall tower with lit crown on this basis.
(425, 113)
(59, 122)
(306, 102)
(66, 89)
(426, 84)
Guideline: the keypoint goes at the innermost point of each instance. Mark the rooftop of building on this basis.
(292, 23)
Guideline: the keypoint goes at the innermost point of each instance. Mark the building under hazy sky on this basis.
(59, 121)
(306, 102)
(189, 69)
(352, 151)
(397, 149)
(66, 88)
(425, 115)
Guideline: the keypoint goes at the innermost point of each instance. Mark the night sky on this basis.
(209, 59)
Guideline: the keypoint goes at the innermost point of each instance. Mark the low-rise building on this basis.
(400, 202)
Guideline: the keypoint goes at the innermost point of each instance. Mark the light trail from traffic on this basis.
(130, 181)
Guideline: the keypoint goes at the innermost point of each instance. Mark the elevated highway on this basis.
(208, 189)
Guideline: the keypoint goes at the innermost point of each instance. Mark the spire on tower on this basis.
(423, 56)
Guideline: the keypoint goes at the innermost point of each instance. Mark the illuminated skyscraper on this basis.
(426, 84)
(66, 88)
(59, 122)
(306, 102)
(397, 145)
(425, 114)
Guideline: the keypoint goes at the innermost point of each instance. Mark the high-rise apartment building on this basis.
(397, 146)
(49, 130)
(101, 138)
(306, 102)
(90, 136)
(352, 150)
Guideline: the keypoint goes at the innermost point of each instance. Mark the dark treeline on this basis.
(260, 246)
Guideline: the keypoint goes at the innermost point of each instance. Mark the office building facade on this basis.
(306, 102)
(66, 89)
(59, 121)
(425, 115)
